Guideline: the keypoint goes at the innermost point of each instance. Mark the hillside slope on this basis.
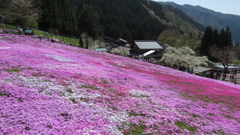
(128, 19)
(208, 17)
(51, 88)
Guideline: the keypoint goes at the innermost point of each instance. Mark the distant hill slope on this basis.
(207, 17)
(137, 19)
(128, 19)
(53, 88)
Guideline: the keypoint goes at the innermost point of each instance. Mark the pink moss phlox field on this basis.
(52, 88)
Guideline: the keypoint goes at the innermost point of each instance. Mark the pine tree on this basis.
(4, 4)
(228, 37)
(49, 16)
(88, 23)
(223, 49)
(58, 17)
(215, 37)
(207, 41)
(225, 38)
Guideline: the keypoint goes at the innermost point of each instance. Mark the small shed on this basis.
(119, 42)
(198, 70)
(108, 40)
(231, 68)
(140, 47)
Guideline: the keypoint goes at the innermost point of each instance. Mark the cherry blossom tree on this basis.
(183, 57)
(124, 51)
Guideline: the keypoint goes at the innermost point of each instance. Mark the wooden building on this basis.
(140, 47)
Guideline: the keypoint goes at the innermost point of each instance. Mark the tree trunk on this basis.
(225, 72)
(86, 39)
(80, 41)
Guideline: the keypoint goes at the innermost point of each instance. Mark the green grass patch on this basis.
(69, 90)
(67, 40)
(218, 132)
(13, 70)
(135, 130)
(195, 116)
(136, 114)
(104, 81)
(46, 80)
(183, 125)
(89, 87)
(3, 94)
(73, 100)
(211, 114)
(84, 99)
(12, 27)
(187, 96)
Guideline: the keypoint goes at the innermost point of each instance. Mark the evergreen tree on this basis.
(222, 41)
(116, 16)
(68, 18)
(4, 4)
(49, 16)
(207, 41)
(228, 37)
(225, 38)
(215, 37)
(58, 17)
(88, 23)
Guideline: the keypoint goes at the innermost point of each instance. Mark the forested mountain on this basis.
(137, 19)
(128, 19)
(211, 18)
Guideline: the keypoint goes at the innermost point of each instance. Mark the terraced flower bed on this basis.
(52, 88)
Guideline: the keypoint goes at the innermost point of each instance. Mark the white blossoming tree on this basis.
(123, 51)
(183, 57)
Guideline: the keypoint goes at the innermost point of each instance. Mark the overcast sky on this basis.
(223, 6)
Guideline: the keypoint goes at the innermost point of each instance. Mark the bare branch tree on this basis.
(225, 55)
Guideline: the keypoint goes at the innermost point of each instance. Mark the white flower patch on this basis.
(4, 48)
(170, 110)
(218, 89)
(121, 116)
(78, 93)
(79, 96)
(120, 64)
(138, 93)
(114, 130)
(59, 58)
(118, 117)
(90, 130)
(44, 84)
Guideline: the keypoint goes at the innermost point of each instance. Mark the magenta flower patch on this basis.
(52, 88)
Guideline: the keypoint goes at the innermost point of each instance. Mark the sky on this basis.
(223, 6)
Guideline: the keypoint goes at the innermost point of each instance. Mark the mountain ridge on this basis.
(208, 17)
(135, 19)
